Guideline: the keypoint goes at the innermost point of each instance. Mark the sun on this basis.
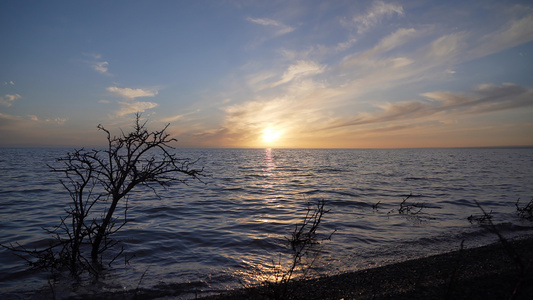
(270, 135)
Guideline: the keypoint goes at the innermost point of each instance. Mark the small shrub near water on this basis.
(410, 208)
(483, 219)
(525, 212)
(413, 210)
(304, 244)
(406, 208)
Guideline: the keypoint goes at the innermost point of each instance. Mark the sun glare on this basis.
(270, 135)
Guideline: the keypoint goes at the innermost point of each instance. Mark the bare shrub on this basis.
(305, 246)
(413, 210)
(525, 212)
(97, 182)
(483, 219)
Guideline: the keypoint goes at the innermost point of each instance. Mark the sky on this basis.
(280, 74)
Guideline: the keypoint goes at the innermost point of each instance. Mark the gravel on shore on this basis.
(497, 271)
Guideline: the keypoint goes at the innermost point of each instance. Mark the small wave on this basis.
(342, 193)
(414, 178)
(233, 189)
(330, 170)
(26, 191)
(459, 202)
(347, 203)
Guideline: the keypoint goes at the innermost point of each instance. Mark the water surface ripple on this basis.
(216, 236)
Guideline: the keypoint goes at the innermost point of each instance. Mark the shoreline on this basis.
(486, 272)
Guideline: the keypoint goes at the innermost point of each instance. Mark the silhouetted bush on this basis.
(304, 244)
(97, 181)
(483, 219)
(412, 210)
(525, 212)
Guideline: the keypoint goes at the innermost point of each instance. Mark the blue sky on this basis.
(324, 74)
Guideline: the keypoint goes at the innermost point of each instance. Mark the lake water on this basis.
(198, 239)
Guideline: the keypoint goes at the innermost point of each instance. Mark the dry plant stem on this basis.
(409, 208)
(140, 280)
(510, 252)
(508, 248)
(375, 206)
(304, 235)
(303, 242)
(482, 219)
(525, 212)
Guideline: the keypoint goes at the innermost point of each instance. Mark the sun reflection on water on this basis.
(269, 163)
(268, 169)
(261, 272)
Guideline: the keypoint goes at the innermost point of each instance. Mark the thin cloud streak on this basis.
(375, 14)
(178, 117)
(300, 69)
(130, 106)
(515, 32)
(281, 29)
(30, 121)
(484, 99)
(130, 93)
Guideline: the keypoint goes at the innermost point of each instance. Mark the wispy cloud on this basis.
(101, 66)
(486, 98)
(52, 121)
(130, 105)
(319, 50)
(515, 32)
(11, 82)
(7, 121)
(33, 118)
(7, 100)
(386, 44)
(397, 38)
(98, 64)
(130, 93)
(29, 129)
(280, 28)
(178, 117)
(375, 14)
(299, 70)
(345, 45)
(448, 46)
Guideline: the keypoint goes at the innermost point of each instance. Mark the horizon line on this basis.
(287, 148)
